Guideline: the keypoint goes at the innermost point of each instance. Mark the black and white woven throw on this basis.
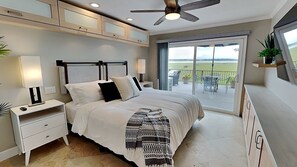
(150, 130)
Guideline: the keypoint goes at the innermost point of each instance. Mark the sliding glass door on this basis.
(215, 68)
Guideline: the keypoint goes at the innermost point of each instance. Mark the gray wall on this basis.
(259, 30)
(51, 46)
(283, 89)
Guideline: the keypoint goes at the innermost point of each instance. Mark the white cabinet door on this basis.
(138, 36)
(114, 28)
(256, 145)
(79, 19)
(246, 112)
(44, 11)
(266, 160)
(250, 128)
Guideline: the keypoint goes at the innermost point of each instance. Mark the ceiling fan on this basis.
(174, 11)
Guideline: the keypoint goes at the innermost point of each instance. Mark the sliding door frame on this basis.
(242, 41)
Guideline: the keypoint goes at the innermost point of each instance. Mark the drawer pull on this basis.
(16, 13)
(257, 139)
(47, 136)
(46, 125)
(248, 106)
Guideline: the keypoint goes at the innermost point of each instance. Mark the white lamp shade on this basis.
(141, 66)
(31, 71)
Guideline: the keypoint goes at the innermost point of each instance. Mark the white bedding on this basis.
(105, 122)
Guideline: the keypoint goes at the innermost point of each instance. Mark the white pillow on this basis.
(126, 87)
(86, 92)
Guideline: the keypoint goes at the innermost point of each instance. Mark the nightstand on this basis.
(38, 125)
(147, 84)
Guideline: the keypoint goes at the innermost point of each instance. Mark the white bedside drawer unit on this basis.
(43, 125)
(39, 125)
(42, 138)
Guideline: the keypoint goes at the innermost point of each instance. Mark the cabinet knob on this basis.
(83, 28)
(46, 125)
(16, 13)
(47, 136)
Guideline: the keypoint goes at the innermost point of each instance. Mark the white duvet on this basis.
(105, 122)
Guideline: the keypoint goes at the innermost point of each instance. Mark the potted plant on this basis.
(4, 108)
(186, 78)
(3, 50)
(269, 51)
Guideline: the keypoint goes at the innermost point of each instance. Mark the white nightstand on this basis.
(147, 84)
(38, 125)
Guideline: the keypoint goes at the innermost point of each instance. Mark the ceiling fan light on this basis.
(172, 16)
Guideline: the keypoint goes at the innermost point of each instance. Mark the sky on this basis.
(226, 52)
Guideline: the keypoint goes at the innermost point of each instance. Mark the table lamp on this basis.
(32, 77)
(141, 69)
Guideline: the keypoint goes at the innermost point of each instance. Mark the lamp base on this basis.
(140, 77)
(35, 97)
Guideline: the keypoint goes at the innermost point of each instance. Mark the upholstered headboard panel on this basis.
(76, 72)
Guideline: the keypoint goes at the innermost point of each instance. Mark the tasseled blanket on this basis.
(150, 130)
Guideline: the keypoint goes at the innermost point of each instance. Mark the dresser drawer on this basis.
(42, 138)
(43, 125)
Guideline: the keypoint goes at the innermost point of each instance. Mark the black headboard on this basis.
(103, 67)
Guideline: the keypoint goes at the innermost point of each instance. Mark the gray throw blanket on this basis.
(150, 130)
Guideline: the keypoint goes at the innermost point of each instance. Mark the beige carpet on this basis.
(216, 141)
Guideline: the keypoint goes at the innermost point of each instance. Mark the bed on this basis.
(105, 122)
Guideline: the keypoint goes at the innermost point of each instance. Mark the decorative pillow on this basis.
(109, 91)
(126, 87)
(86, 92)
(137, 83)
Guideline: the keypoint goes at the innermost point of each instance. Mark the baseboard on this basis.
(6, 154)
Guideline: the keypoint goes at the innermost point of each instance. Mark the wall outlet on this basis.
(50, 90)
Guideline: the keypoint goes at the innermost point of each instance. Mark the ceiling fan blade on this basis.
(188, 16)
(171, 3)
(199, 4)
(146, 11)
(160, 20)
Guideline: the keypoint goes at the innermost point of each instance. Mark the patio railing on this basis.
(223, 75)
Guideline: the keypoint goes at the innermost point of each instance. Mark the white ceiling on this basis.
(227, 12)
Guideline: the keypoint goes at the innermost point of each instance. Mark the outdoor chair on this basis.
(230, 82)
(210, 83)
(174, 74)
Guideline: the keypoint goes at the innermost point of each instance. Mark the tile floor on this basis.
(216, 141)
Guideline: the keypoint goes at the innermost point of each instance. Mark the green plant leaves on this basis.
(268, 41)
(3, 50)
(269, 52)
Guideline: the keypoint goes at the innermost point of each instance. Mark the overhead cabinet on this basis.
(138, 36)
(114, 28)
(60, 16)
(44, 11)
(79, 19)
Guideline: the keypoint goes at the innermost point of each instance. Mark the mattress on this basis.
(105, 122)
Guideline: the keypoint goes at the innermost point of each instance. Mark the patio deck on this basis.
(220, 100)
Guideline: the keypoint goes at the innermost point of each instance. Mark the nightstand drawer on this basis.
(39, 139)
(42, 125)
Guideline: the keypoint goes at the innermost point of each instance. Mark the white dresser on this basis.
(38, 125)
